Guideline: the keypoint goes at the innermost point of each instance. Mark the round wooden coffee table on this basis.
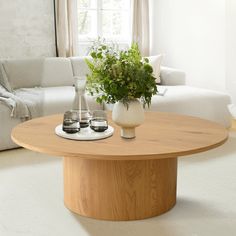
(121, 179)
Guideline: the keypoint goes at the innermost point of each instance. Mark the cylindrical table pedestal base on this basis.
(119, 190)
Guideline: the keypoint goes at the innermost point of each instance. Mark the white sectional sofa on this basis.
(53, 78)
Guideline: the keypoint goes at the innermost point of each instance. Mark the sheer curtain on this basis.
(66, 27)
(140, 25)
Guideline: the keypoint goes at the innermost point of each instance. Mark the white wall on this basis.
(231, 48)
(191, 35)
(26, 28)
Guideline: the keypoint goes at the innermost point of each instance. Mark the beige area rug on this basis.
(31, 199)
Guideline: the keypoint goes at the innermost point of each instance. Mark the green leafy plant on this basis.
(119, 75)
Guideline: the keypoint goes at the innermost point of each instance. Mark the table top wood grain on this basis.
(162, 135)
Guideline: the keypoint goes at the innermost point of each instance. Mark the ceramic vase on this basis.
(128, 117)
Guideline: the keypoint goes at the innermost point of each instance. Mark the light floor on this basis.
(31, 199)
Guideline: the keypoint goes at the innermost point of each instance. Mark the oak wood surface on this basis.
(119, 190)
(162, 135)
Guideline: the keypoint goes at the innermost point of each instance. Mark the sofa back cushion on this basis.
(38, 72)
(79, 66)
(23, 73)
(57, 71)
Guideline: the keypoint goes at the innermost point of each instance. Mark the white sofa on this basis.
(55, 78)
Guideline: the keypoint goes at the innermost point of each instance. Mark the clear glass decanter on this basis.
(80, 103)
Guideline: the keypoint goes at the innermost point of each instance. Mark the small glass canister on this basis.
(99, 123)
(71, 123)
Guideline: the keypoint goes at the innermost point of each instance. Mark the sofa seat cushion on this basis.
(203, 103)
(60, 99)
(55, 100)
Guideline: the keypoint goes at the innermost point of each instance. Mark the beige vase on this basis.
(128, 118)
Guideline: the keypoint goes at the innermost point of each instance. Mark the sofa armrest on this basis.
(170, 76)
(6, 125)
(4, 109)
(2, 88)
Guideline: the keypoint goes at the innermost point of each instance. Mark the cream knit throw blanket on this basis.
(25, 103)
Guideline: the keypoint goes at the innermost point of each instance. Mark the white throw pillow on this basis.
(155, 62)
